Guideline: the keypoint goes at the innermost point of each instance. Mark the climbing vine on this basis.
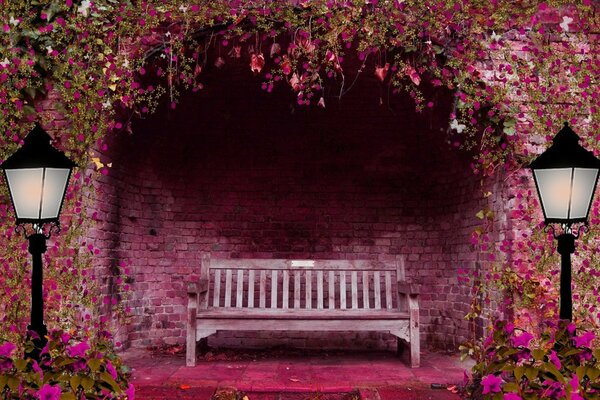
(85, 69)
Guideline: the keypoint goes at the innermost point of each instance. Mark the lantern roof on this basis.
(37, 152)
(566, 152)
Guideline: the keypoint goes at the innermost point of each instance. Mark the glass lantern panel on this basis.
(554, 186)
(26, 189)
(55, 183)
(584, 181)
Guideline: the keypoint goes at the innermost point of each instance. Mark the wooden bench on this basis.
(302, 295)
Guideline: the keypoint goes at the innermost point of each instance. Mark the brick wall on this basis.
(240, 173)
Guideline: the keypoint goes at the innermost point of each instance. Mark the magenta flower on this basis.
(522, 340)
(511, 396)
(48, 392)
(130, 392)
(111, 370)
(554, 359)
(7, 349)
(78, 350)
(584, 340)
(491, 384)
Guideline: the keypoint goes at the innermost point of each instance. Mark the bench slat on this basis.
(365, 282)
(217, 291)
(239, 289)
(235, 313)
(331, 301)
(285, 290)
(377, 289)
(314, 265)
(354, 290)
(228, 274)
(319, 290)
(343, 289)
(297, 289)
(251, 288)
(274, 288)
(308, 289)
(263, 283)
(388, 290)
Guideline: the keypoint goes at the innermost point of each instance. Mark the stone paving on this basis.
(370, 376)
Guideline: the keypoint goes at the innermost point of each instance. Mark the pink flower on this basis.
(111, 370)
(491, 384)
(78, 350)
(554, 359)
(511, 396)
(7, 349)
(522, 340)
(584, 340)
(130, 392)
(48, 392)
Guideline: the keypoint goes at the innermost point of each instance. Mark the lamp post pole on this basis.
(566, 247)
(37, 247)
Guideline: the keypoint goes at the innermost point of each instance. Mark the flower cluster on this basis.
(70, 367)
(512, 364)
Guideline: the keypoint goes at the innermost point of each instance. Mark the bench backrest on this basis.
(301, 284)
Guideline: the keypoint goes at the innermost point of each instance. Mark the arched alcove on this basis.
(242, 173)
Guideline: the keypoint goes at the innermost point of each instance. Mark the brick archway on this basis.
(241, 173)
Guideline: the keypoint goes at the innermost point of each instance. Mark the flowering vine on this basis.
(518, 69)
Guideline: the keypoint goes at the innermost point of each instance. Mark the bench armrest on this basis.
(196, 288)
(409, 288)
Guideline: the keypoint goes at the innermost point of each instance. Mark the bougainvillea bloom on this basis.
(511, 396)
(48, 392)
(78, 350)
(522, 340)
(491, 384)
(584, 340)
(7, 349)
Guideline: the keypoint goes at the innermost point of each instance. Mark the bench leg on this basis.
(415, 344)
(190, 345)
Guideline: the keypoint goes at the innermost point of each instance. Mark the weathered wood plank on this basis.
(285, 290)
(217, 290)
(228, 275)
(274, 288)
(308, 290)
(319, 290)
(343, 289)
(377, 289)
(251, 288)
(290, 313)
(365, 287)
(283, 264)
(262, 303)
(331, 291)
(297, 285)
(239, 289)
(354, 290)
(388, 290)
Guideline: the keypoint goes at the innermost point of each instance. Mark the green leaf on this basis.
(105, 376)
(21, 364)
(519, 371)
(531, 373)
(87, 383)
(75, 381)
(551, 368)
(511, 387)
(94, 364)
(538, 354)
(3, 379)
(480, 214)
(580, 371)
(68, 396)
(13, 382)
(592, 373)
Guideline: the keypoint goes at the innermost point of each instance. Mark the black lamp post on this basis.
(566, 175)
(37, 175)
